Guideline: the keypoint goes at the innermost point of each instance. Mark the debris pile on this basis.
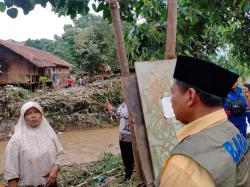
(11, 99)
(66, 108)
(107, 172)
(80, 106)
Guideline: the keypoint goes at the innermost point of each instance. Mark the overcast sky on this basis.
(39, 23)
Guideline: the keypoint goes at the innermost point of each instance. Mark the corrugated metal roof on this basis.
(35, 56)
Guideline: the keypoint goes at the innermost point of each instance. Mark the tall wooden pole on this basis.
(117, 26)
(171, 29)
(123, 61)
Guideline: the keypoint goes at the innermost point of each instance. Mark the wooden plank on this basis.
(138, 171)
(132, 99)
(154, 82)
(120, 45)
(171, 25)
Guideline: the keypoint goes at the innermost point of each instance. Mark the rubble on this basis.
(109, 171)
(11, 98)
(65, 108)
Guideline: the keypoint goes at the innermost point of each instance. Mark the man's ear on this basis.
(192, 97)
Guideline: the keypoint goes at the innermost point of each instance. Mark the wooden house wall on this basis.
(15, 69)
(61, 73)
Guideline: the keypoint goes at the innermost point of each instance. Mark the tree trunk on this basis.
(117, 26)
(123, 61)
(171, 29)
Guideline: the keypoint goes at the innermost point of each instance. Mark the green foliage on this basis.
(23, 93)
(145, 42)
(76, 174)
(2, 180)
(113, 94)
(25, 5)
(91, 43)
(63, 50)
(87, 44)
(2, 7)
(43, 82)
(87, 21)
(203, 27)
(94, 46)
(239, 37)
(42, 44)
(12, 12)
(71, 7)
(201, 31)
(231, 62)
(58, 47)
(11, 99)
(108, 162)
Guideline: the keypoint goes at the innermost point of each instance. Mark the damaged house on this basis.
(24, 65)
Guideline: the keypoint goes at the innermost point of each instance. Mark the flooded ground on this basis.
(83, 146)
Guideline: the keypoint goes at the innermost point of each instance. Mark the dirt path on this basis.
(83, 146)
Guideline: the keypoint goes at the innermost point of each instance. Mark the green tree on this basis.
(87, 21)
(203, 26)
(63, 50)
(94, 43)
(58, 47)
(42, 44)
(87, 44)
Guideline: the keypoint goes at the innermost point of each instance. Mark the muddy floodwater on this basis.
(83, 146)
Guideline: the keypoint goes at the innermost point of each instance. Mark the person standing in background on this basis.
(236, 108)
(54, 80)
(246, 92)
(69, 82)
(125, 139)
(82, 80)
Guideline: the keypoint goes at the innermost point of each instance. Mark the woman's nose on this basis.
(33, 115)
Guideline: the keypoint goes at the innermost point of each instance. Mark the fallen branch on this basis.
(96, 177)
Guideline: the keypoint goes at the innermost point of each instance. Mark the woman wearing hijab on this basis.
(33, 154)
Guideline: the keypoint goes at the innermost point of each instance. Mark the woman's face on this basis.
(33, 117)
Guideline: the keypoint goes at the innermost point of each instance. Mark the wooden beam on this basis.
(141, 152)
(171, 29)
(132, 99)
(117, 26)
